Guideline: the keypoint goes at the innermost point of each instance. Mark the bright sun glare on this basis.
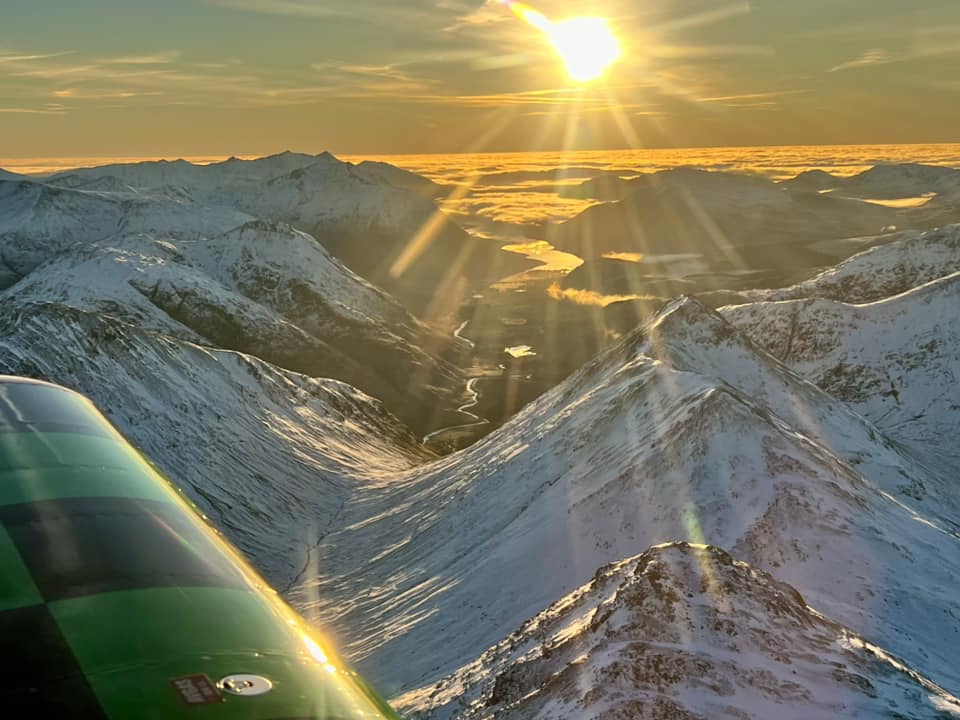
(587, 45)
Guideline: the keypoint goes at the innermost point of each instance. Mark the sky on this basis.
(219, 77)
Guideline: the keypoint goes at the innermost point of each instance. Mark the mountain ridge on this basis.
(241, 282)
(682, 631)
(381, 221)
(242, 437)
(902, 383)
(600, 467)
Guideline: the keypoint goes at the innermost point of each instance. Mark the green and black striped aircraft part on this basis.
(119, 601)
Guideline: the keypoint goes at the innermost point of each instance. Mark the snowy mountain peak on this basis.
(682, 632)
(6, 175)
(904, 261)
(364, 214)
(234, 279)
(812, 181)
(893, 360)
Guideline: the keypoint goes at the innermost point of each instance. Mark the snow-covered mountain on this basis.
(220, 276)
(929, 194)
(173, 294)
(715, 214)
(10, 176)
(893, 181)
(377, 171)
(687, 431)
(907, 260)
(813, 181)
(879, 331)
(271, 456)
(684, 632)
(379, 220)
(894, 361)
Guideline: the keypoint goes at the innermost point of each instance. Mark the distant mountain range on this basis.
(721, 235)
(715, 214)
(749, 512)
(166, 247)
(884, 182)
(379, 220)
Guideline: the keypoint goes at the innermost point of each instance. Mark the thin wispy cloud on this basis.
(12, 57)
(875, 56)
(491, 12)
(893, 29)
(164, 58)
(638, 110)
(356, 80)
(439, 56)
(753, 99)
(31, 111)
(75, 80)
(382, 72)
(880, 56)
(372, 12)
(296, 8)
(554, 97)
(50, 72)
(707, 52)
(83, 94)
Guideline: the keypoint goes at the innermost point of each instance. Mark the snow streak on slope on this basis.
(895, 361)
(269, 455)
(683, 431)
(682, 632)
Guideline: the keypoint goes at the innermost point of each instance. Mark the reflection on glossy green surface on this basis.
(140, 609)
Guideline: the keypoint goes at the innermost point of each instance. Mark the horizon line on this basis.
(44, 165)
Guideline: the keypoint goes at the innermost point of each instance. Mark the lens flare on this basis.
(586, 45)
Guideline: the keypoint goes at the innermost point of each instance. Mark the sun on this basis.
(587, 46)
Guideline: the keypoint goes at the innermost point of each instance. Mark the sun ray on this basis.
(434, 225)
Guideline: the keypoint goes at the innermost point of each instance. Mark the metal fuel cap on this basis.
(245, 685)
